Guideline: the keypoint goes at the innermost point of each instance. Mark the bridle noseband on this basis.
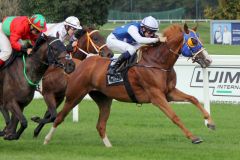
(90, 42)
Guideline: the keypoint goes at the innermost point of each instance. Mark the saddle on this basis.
(121, 77)
(10, 60)
(117, 79)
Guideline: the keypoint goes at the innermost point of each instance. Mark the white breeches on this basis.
(120, 46)
(5, 46)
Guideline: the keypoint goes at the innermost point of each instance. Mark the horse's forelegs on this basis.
(41, 124)
(159, 100)
(104, 105)
(177, 95)
(50, 115)
(6, 116)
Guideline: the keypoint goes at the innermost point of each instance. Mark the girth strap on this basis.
(128, 86)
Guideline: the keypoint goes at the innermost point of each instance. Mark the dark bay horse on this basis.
(153, 80)
(18, 81)
(54, 82)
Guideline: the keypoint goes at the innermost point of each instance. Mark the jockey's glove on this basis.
(162, 39)
(24, 48)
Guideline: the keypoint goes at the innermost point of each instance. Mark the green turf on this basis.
(137, 133)
(203, 30)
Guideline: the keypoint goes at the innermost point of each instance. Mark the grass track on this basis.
(136, 134)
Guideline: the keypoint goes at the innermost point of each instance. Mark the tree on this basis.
(88, 11)
(227, 9)
(9, 8)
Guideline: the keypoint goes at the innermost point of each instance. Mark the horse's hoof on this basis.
(2, 133)
(11, 137)
(211, 126)
(35, 134)
(197, 140)
(36, 119)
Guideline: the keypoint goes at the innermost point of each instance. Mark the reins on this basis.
(36, 84)
(155, 67)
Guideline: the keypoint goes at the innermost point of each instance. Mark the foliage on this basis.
(227, 9)
(88, 11)
(9, 8)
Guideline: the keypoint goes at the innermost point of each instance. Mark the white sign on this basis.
(224, 78)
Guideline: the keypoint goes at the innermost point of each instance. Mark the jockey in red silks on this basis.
(14, 29)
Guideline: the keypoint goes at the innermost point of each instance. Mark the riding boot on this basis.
(120, 60)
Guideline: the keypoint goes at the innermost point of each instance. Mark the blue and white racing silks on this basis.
(121, 33)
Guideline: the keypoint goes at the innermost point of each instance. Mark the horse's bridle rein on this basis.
(90, 42)
(162, 69)
(55, 62)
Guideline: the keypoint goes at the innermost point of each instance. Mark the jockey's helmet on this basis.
(73, 21)
(38, 21)
(150, 23)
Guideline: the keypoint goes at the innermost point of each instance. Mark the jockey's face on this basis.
(34, 30)
(148, 33)
(71, 31)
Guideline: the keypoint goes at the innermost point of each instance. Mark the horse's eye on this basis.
(95, 39)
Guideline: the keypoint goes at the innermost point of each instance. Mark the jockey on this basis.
(19, 28)
(65, 31)
(127, 39)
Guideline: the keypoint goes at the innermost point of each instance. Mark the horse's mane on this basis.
(39, 42)
(173, 32)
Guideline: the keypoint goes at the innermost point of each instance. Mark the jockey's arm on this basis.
(14, 40)
(133, 31)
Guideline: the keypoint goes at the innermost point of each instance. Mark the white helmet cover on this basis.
(150, 23)
(73, 22)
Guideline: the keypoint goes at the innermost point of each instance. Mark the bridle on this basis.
(90, 42)
(52, 60)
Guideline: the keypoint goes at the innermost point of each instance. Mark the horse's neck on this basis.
(159, 56)
(35, 66)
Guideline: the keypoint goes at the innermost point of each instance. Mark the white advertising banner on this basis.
(224, 77)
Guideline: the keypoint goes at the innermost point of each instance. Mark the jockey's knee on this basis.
(131, 50)
(5, 54)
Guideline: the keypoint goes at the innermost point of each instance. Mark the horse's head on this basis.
(55, 53)
(193, 47)
(91, 41)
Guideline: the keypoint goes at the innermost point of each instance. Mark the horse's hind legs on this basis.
(177, 95)
(104, 104)
(71, 101)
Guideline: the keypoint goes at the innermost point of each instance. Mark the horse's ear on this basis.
(195, 28)
(44, 36)
(186, 28)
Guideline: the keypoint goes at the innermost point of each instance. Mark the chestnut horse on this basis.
(54, 82)
(153, 80)
(18, 81)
